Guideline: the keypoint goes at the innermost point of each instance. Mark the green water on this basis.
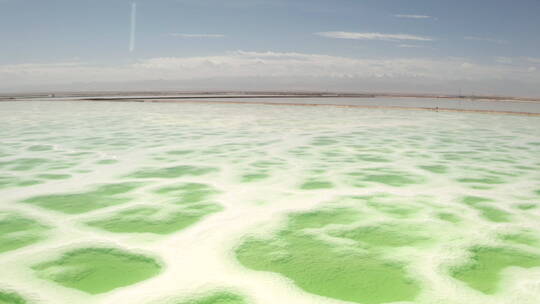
(97, 270)
(183, 205)
(523, 238)
(18, 231)
(483, 271)
(316, 184)
(488, 212)
(253, 177)
(188, 193)
(450, 217)
(153, 219)
(221, 297)
(7, 297)
(353, 275)
(385, 235)
(172, 172)
(73, 203)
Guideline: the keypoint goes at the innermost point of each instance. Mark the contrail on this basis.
(133, 24)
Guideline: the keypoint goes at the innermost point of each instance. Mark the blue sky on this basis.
(402, 45)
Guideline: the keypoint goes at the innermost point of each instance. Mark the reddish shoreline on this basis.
(437, 109)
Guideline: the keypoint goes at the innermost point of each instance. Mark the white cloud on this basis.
(372, 36)
(505, 60)
(486, 39)
(533, 60)
(413, 16)
(181, 35)
(315, 69)
(517, 61)
(412, 46)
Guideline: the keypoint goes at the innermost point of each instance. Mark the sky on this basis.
(410, 46)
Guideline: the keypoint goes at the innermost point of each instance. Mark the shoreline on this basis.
(436, 109)
(452, 104)
(251, 94)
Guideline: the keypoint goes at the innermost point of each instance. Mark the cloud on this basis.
(517, 61)
(372, 36)
(274, 69)
(533, 60)
(413, 16)
(412, 46)
(181, 35)
(485, 39)
(505, 60)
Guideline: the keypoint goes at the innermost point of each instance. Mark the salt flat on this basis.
(104, 202)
